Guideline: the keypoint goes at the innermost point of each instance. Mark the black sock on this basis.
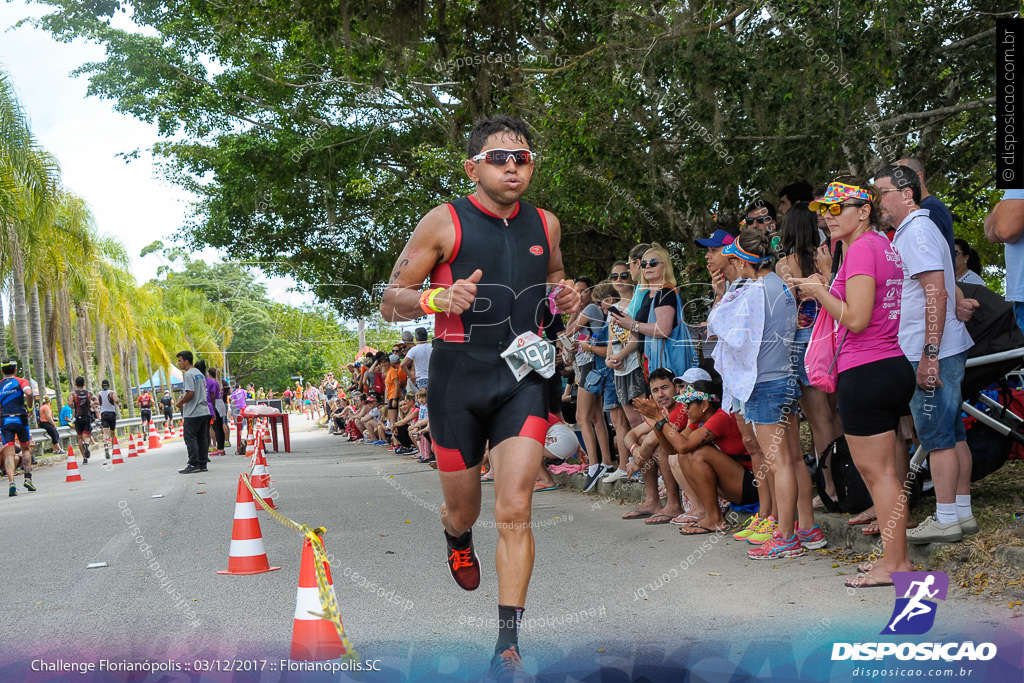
(509, 619)
(460, 543)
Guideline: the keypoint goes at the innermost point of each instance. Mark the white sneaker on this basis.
(968, 526)
(617, 475)
(931, 531)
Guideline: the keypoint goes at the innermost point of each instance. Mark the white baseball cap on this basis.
(695, 375)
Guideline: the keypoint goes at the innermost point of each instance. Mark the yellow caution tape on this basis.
(328, 600)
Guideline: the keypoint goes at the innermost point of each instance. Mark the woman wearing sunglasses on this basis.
(621, 278)
(756, 324)
(658, 305)
(799, 241)
(876, 381)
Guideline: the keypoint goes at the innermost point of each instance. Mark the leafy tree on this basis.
(316, 134)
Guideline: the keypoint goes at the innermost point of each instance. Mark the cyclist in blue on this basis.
(15, 402)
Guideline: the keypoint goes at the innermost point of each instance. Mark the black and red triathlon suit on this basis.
(473, 397)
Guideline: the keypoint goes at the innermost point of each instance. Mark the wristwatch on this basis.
(931, 351)
(659, 425)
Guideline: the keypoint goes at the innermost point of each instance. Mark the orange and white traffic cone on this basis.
(167, 431)
(247, 554)
(73, 474)
(265, 427)
(261, 479)
(314, 639)
(250, 446)
(132, 453)
(181, 431)
(140, 447)
(116, 453)
(154, 437)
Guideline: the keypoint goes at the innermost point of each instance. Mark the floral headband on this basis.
(691, 395)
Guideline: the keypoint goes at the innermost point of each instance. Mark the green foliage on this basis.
(317, 134)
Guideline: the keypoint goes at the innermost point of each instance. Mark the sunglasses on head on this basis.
(759, 219)
(619, 276)
(500, 157)
(653, 262)
(834, 209)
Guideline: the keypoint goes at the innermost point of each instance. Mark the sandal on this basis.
(538, 486)
(866, 581)
(872, 529)
(684, 520)
(862, 518)
(636, 513)
(688, 530)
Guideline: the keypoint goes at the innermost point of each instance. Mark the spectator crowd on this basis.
(842, 308)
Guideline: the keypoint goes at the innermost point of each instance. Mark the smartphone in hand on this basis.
(615, 311)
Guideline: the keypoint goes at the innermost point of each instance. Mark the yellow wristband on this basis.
(430, 300)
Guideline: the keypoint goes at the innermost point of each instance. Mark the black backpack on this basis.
(851, 492)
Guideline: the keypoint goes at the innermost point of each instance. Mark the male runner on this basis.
(168, 405)
(108, 414)
(145, 403)
(493, 247)
(15, 402)
(81, 404)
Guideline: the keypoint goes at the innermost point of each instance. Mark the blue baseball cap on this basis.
(720, 238)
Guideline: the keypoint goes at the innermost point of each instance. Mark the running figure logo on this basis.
(914, 612)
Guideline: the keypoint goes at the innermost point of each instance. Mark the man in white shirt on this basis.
(936, 343)
(417, 360)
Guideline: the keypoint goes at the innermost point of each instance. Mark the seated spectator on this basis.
(709, 454)
(651, 456)
(421, 428)
(408, 414)
(967, 263)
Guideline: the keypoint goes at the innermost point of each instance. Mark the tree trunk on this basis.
(134, 359)
(86, 347)
(101, 350)
(126, 380)
(3, 330)
(68, 349)
(51, 327)
(13, 322)
(21, 311)
(35, 316)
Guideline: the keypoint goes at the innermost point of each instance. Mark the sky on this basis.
(129, 200)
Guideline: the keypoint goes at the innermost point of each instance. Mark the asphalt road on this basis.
(639, 602)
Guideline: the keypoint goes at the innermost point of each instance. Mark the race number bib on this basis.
(528, 352)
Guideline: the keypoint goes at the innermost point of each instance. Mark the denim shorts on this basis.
(769, 401)
(937, 411)
(796, 355)
(601, 382)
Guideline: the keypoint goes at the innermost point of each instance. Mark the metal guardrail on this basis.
(66, 434)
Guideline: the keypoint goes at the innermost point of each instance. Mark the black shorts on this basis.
(14, 427)
(474, 400)
(874, 396)
(83, 424)
(146, 414)
(108, 420)
(168, 414)
(393, 404)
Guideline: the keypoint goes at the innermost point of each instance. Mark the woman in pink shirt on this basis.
(876, 381)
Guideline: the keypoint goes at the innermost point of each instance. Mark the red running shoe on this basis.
(463, 565)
